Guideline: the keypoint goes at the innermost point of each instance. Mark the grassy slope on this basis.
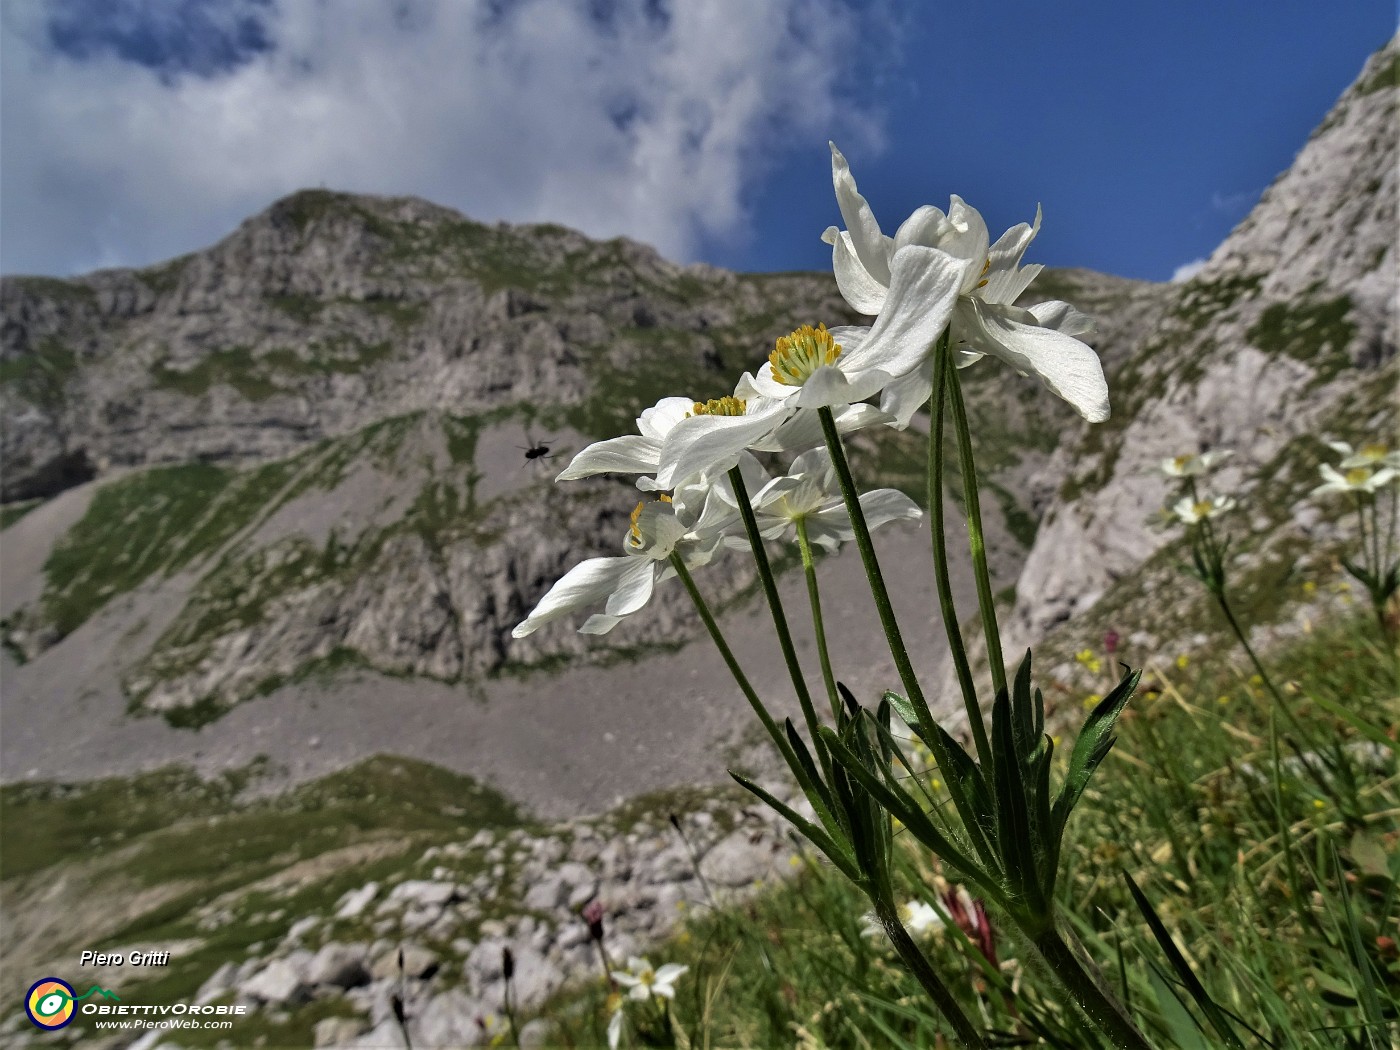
(1279, 885)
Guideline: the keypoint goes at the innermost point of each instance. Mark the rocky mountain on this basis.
(303, 448)
(1286, 337)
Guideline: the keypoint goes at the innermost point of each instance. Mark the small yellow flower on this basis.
(1256, 680)
(936, 784)
(1222, 699)
(1309, 587)
(1092, 701)
(794, 862)
(1182, 662)
(1319, 804)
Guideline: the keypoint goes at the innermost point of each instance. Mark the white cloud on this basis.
(611, 118)
(1186, 271)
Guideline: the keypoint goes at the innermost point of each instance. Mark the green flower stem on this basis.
(947, 606)
(775, 606)
(745, 686)
(883, 605)
(1368, 557)
(919, 966)
(912, 690)
(1102, 1007)
(809, 568)
(985, 599)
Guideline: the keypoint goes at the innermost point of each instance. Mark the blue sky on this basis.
(134, 130)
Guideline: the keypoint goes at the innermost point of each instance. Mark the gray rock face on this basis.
(307, 442)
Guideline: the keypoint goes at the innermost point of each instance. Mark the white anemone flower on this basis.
(1044, 340)
(1192, 466)
(637, 453)
(1356, 479)
(1372, 455)
(625, 584)
(644, 983)
(764, 427)
(1192, 511)
(809, 492)
(711, 440)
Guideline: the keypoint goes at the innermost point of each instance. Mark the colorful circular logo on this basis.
(49, 1003)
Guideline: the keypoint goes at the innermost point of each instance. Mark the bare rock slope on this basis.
(1286, 337)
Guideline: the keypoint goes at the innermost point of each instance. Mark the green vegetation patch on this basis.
(235, 366)
(1386, 76)
(157, 520)
(259, 376)
(1316, 333)
(164, 278)
(192, 842)
(73, 292)
(41, 376)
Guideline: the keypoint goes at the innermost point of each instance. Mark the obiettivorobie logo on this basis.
(50, 1002)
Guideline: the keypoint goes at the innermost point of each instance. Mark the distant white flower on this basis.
(1044, 340)
(1356, 479)
(918, 917)
(1369, 455)
(809, 491)
(644, 983)
(1192, 511)
(624, 584)
(1191, 466)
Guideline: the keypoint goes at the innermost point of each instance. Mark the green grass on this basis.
(263, 375)
(1385, 77)
(203, 840)
(1316, 333)
(42, 375)
(157, 520)
(234, 366)
(1280, 888)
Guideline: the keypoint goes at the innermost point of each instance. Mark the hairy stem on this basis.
(1108, 1015)
(918, 964)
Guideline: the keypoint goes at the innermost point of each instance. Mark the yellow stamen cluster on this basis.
(720, 406)
(985, 267)
(798, 355)
(1180, 462)
(636, 529)
(1373, 451)
(1202, 509)
(1358, 475)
